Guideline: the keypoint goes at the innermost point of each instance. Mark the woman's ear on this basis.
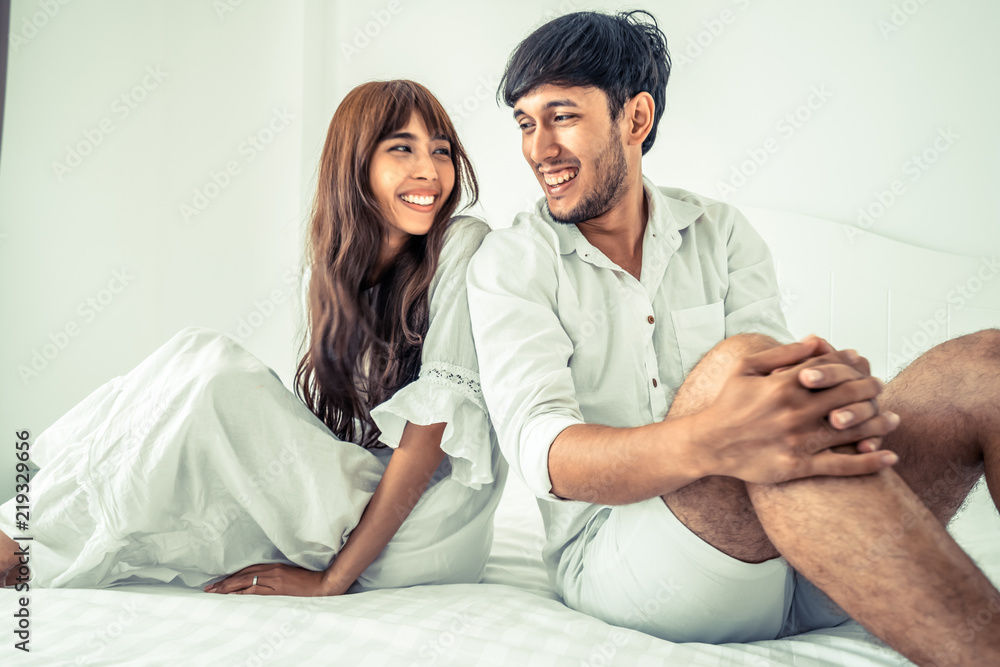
(639, 113)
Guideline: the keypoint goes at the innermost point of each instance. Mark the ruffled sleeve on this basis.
(447, 389)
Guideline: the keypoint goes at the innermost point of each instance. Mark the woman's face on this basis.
(411, 175)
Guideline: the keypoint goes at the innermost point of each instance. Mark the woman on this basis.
(199, 463)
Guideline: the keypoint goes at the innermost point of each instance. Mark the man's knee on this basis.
(704, 381)
(972, 348)
(983, 344)
(742, 344)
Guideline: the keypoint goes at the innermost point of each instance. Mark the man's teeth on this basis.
(561, 178)
(422, 201)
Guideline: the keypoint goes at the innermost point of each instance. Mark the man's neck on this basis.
(618, 233)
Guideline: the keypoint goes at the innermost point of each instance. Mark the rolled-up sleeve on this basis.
(523, 351)
(753, 300)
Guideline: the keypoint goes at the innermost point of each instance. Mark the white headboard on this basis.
(889, 300)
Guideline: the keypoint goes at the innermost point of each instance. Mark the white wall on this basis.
(219, 77)
(62, 236)
(884, 99)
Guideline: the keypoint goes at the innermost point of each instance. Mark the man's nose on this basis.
(542, 146)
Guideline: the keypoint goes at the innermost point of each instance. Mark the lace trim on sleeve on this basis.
(463, 380)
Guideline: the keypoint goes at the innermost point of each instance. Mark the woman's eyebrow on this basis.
(400, 135)
(409, 136)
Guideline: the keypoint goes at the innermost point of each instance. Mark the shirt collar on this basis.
(667, 216)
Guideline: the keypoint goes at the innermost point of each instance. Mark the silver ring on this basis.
(254, 580)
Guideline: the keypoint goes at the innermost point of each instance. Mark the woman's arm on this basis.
(405, 479)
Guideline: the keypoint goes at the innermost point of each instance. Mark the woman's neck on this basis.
(387, 253)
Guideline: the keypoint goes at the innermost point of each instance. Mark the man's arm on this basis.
(762, 427)
(618, 466)
(524, 355)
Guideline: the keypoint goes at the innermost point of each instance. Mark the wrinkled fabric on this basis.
(200, 462)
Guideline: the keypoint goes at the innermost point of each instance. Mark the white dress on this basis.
(200, 462)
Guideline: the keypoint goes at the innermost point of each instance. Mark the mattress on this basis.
(512, 618)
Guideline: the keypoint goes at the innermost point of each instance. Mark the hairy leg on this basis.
(949, 404)
(718, 509)
(876, 544)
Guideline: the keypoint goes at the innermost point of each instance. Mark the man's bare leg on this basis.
(718, 509)
(859, 538)
(877, 547)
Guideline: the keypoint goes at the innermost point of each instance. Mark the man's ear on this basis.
(639, 116)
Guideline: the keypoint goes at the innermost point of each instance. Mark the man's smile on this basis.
(558, 181)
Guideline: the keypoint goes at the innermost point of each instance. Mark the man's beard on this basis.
(610, 170)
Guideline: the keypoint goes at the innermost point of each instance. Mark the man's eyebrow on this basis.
(548, 105)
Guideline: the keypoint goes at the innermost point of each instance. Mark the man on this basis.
(685, 452)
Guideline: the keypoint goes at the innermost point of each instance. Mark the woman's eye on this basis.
(443, 151)
(402, 147)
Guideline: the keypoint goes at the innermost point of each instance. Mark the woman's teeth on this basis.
(422, 201)
(561, 178)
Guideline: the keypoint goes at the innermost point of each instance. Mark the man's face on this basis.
(574, 149)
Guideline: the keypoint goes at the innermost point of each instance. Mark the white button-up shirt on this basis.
(565, 336)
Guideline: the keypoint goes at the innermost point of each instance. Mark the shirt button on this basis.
(654, 382)
(650, 319)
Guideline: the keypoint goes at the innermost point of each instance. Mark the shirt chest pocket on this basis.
(698, 330)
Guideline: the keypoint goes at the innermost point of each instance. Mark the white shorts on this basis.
(638, 566)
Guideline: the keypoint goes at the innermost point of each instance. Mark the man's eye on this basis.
(524, 126)
(562, 117)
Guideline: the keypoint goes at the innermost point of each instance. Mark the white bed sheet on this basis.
(513, 618)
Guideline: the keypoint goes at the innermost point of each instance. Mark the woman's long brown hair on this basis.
(363, 342)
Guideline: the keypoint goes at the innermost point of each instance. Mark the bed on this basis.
(888, 299)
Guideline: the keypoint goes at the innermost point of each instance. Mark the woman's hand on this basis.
(272, 579)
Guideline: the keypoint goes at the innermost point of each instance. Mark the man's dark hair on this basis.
(621, 54)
